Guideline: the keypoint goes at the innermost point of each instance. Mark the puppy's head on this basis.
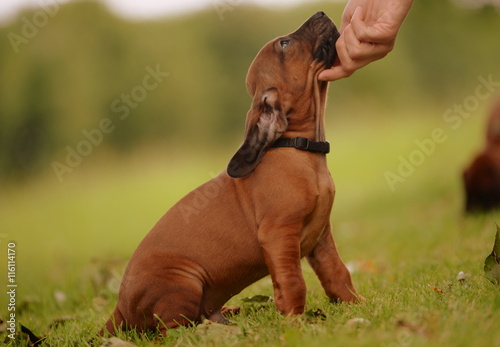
(282, 81)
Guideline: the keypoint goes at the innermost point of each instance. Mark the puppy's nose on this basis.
(319, 14)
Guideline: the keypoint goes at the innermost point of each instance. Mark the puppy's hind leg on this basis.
(180, 304)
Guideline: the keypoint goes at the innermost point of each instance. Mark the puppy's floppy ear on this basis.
(265, 123)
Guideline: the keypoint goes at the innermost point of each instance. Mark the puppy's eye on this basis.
(284, 43)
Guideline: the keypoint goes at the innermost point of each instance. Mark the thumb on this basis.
(333, 74)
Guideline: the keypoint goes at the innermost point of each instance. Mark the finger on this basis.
(339, 69)
(361, 50)
(383, 31)
(348, 15)
(333, 74)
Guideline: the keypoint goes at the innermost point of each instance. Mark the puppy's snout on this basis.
(320, 21)
(318, 24)
(323, 31)
(318, 15)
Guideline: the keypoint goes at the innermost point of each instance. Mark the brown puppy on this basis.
(270, 209)
(482, 177)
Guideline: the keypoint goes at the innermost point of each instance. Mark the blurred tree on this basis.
(67, 77)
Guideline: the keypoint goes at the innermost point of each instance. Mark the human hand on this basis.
(368, 32)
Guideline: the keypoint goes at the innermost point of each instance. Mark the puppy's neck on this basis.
(320, 94)
(309, 119)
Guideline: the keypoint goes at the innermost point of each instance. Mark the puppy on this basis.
(482, 177)
(270, 208)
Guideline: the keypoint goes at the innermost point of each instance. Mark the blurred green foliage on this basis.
(82, 60)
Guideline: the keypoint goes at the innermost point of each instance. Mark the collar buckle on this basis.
(301, 143)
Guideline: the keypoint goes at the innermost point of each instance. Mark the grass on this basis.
(405, 248)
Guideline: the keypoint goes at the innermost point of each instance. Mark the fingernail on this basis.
(356, 11)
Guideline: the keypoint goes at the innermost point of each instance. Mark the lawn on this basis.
(405, 246)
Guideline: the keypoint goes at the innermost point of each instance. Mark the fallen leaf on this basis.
(435, 289)
(32, 338)
(318, 313)
(492, 262)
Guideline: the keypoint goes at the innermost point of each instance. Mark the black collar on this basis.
(304, 144)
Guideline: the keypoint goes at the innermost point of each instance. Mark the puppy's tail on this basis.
(114, 323)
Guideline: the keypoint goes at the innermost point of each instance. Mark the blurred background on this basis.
(110, 111)
(64, 64)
